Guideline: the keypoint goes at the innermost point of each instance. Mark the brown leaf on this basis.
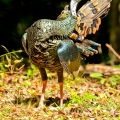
(2, 89)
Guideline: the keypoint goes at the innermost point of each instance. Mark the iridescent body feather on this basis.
(59, 44)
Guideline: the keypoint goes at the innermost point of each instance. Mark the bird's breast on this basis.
(44, 54)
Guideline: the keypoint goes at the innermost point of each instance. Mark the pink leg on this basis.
(43, 92)
(61, 93)
(44, 79)
(60, 81)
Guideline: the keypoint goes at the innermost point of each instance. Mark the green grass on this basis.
(84, 99)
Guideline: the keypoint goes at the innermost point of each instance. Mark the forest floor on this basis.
(93, 95)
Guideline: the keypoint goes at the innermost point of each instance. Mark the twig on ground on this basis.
(114, 52)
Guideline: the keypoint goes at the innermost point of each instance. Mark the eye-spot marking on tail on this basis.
(81, 14)
(94, 23)
(96, 10)
(80, 38)
(94, 26)
(74, 36)
(92, 4)
(82, 25)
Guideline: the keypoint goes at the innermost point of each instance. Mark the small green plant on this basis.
(117, 66)
(2, 67)
(75, 98)
(1, 83)
(98, 76)
(2, 75)
(31, 91)
(31, 71)
(114, 80)
(10, 60)
(27, 83)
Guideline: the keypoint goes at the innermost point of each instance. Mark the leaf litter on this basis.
(85, 98)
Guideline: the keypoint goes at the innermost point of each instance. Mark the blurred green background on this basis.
(17, 15)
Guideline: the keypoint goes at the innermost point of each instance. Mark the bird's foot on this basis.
(40, 107)
(43, 93)
(61, 103)
(41, 103)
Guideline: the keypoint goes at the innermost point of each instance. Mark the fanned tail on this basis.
(88, 22)
(86, 47)
(89, 18)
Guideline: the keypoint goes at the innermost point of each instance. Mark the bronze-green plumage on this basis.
(59, 44)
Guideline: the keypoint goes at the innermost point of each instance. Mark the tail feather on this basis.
(85, 47)
(94, 9)
(102, 12)
(91, 14)
(88, 17)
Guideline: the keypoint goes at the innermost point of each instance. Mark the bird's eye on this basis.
(62, 12)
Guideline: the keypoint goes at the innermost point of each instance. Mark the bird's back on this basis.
(42, 39)
(43, 53)
(47, 57)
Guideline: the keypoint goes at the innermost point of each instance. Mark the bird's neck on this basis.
(66, 26)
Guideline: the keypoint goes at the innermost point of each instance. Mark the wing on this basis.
(24, 42)
(69, 57)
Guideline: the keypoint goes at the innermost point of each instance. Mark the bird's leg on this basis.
(60, 81)
(61, 93)
(43, 92)
(44, 79)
